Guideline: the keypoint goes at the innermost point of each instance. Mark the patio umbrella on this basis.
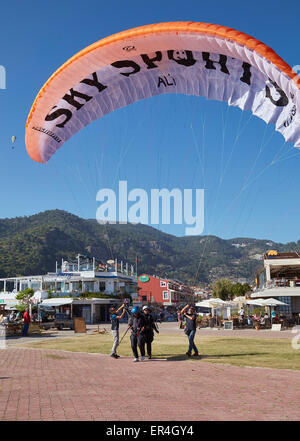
(240, 299)
(204, 304)
(258, 302)
(217, 303)
(214, 302)
(273, 302)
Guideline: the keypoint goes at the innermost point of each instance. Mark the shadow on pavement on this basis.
(34, 336)
(202, 357)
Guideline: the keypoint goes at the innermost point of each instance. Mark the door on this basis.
(86, 313)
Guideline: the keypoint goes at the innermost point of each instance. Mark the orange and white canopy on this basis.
(178, 57)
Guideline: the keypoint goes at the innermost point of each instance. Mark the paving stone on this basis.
(34, 386)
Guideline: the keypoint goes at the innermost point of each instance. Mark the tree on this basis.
(238, 290)
(223, 289)
(246, 288)
(25, 295)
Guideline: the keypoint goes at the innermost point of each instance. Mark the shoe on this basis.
(196, 354)
(142, 357)
(136, 359)
(112, 355)
(117, 356)
(149, 357)
(188, 354)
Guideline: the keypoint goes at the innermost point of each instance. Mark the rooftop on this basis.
(272, 254)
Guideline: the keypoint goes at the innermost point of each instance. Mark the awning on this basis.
(56, 302)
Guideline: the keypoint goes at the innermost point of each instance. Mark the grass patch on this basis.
(55, 357)
(271, 353)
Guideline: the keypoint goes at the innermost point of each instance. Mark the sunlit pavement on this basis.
(38, 384)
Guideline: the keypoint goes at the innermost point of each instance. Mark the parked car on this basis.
(63, 321)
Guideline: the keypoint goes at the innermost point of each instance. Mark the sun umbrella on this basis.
(273, 302)
(258, 302)
(213, 302)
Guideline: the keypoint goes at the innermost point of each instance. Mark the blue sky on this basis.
(154, 143)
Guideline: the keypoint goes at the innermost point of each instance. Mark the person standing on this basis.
(115, 322)
(137, 338)
(27, 321)
(242, 313)
(150, 327)
(190, 329)
(12, 317)
(179, 319)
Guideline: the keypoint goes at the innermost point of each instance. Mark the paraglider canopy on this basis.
(179, 57)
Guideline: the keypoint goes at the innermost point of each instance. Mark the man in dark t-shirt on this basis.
(190, 329)
(150, 327)
(137, 338)
(115, 321)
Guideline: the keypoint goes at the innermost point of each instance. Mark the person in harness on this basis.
(150, 326)
(137, 338)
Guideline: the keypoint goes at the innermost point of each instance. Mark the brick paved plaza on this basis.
(54, 385)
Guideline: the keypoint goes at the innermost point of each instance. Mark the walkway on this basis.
(55, 385)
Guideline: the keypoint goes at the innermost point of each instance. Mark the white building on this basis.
(279, 278)
(74, 278)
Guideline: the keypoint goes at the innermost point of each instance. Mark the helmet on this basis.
(145, 307)
(135, 309)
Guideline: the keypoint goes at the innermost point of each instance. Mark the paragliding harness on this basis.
(155, 327)
(136, 331)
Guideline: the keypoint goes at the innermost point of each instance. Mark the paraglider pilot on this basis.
(137, 338)
(150, 326)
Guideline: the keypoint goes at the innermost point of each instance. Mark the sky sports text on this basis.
(159, 205)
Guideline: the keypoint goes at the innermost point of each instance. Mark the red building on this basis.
(165, 291)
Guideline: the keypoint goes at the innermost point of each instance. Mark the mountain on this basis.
(31, 245)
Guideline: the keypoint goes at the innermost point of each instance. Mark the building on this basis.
(164, 291)
(73, 278)
(92, 310)
(201, 293)
(279, 277)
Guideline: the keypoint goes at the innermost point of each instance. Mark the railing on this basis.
(281, 283)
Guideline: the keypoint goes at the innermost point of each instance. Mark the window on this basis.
(102, 286)
(144, 298)
(89, 286)
(162, 284)
(165, 295)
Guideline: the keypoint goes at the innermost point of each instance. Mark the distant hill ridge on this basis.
(31, 245)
